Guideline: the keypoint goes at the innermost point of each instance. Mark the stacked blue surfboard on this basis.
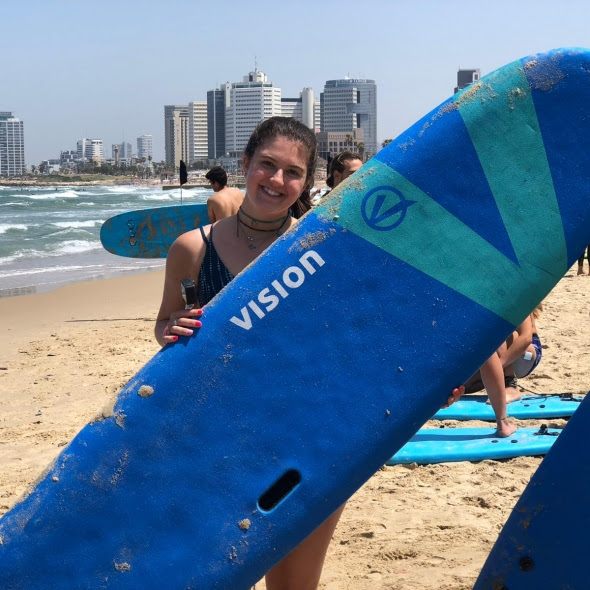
(228, 448)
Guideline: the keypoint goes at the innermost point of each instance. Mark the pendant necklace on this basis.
(275, 231)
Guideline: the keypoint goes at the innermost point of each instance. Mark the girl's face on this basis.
(275, 177)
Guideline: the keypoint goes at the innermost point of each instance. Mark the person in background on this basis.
(581, 261)
(518, 356)
(279, 164)
(342, 166)
(226, 200)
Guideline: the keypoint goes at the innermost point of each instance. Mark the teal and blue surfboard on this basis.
(228, 448)
(544, 544)
(149, 233)
(529, 407)
(447, 445)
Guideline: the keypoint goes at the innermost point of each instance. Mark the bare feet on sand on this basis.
(513, 394)
(504, 427)
(581, 270)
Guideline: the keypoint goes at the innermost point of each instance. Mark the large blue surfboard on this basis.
(446, 445)
(529, 407)
(149, 233)
(228, 448)
(544, 543)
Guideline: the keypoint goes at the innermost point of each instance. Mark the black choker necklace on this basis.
(276, 230)
(254, 221)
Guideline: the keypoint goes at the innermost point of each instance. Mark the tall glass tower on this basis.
(349, 104)
(12, 145)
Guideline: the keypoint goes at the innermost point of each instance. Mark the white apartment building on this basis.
(250, 101)
(145, 147)
(306, 108)
(90, 150)
(197, 114)
(349, 104)
(176, 134)
(12, 145)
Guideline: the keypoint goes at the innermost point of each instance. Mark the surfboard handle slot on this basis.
(279, 490)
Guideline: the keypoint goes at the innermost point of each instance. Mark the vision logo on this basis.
(384, 208)
(292, 278)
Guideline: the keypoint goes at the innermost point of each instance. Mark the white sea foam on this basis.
(76, 224)
(16, 226)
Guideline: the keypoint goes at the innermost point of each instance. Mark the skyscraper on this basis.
(349, 104)
(466, 77)
(176, 134)
(197, 114)
(90, 150)
(217, 102)
(145, 147)
(12, 145)
(251, 101)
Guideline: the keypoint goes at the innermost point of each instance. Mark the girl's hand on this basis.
(455, 396)
(182, 323)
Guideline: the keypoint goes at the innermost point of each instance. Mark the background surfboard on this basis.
(544, 542)
(444, 445)
(149, 233)
(230, 447)
(475, 407)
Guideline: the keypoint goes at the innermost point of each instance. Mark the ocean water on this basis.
(49, 236)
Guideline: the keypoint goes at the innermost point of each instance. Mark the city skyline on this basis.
(106, 71)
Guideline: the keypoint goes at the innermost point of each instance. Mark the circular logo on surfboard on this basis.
(384, 208)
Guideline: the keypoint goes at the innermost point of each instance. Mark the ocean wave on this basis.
(70, 194)
(14, 226)
(77, 224)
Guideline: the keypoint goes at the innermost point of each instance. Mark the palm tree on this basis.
(361, 149)
(386, 142)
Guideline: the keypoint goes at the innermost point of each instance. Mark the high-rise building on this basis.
(466, 77)
(123, 149)
(145, 147)
(12, 145)
(197, 114)
(217, 103)
(251, 101)
(176, 134)
(90, 150)
(349, 104)
(305, 108)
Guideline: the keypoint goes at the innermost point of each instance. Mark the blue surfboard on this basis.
(544, 543)
(149, 233)
(475, 407)
(228, 448)
(446, 445)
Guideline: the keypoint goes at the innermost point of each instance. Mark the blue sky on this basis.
(106, 69)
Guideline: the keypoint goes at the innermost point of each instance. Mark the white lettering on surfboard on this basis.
(268, 299)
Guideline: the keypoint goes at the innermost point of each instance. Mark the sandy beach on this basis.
(65, 353)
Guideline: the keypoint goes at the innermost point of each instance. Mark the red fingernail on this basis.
(199, 312)
(198, 324)
(174, 338)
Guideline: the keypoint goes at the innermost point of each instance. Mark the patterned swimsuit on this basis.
(213, 274)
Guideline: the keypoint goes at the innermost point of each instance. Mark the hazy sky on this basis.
(72, 69)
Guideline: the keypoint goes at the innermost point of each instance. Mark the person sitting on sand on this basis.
(279, 163)
(226, 200)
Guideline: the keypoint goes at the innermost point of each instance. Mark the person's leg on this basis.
(492, 376)
(581, 264)
(302, 568)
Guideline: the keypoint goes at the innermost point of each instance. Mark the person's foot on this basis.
(504, 428)
(512, 395)
(580, 270)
